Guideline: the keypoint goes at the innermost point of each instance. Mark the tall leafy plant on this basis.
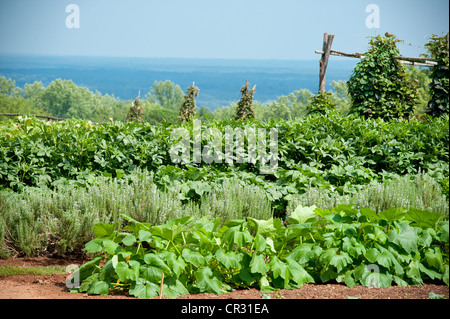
(188, 108)
(245, 109)
(321, 103)
(136, 112)
(379, 86)
(438, 47)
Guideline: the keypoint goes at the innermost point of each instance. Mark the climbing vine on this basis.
(438, 47)
(379, 86)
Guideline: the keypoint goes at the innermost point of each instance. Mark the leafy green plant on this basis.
(379, 86)
(438, 47)
(342, 244)
(321, 103)
(188, 108)
(245, 108)
(136, 111)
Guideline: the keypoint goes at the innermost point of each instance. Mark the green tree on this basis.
(245, 108)
(204, 113)
(155, 114)
(379, 86)
(167, 94)
(8, 87)
(64, 98)
(420, 75)
(188, 108)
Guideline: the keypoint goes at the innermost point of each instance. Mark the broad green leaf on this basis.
(145, 235)
(376, 280)
(151, 273)
(207, 282)
(304, 253)
(245, 276)
(144, 289)
(347, 278)
(404, 236)
(99, 288)
(235, 237)
(279, 268)
(264, 285)
(154, 260)
(399, 281)
(370, 214)
(260, 243)
(88, 268)
(229, 260)
(193, 257)
(111, 247)
(444, 232)
(352, 246)
(129, 240)
(127, 270)
(372, 254)
(103, 230)
(267, 228)
(433, 258)
(168, 232)
(429, 272)
(297, 230)
(392, 214)
(423, 218)
(388, 259)
(176, 263)
(302, 214)
(445, 276)
(173, 288)
(94, 246)
(298, 273)
(336, 258)
(258, 265)
(413, 272)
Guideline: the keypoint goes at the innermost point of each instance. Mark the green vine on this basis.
(438, 104)
(379, 86)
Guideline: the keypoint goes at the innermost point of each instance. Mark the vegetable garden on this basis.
(359, 199)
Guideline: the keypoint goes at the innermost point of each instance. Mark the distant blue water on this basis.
(219, 81)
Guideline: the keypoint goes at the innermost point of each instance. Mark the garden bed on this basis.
(53, 287)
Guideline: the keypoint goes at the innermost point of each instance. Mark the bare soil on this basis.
(54, 287)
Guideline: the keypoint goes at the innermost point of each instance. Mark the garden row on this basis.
(185, 255)
(331, 151)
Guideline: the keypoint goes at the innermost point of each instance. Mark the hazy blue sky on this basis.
(262, 29)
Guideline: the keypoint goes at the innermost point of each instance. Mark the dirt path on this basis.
(54, 287)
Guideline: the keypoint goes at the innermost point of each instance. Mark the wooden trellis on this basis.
(326, 52)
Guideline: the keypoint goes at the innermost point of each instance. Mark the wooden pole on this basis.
(327, 42)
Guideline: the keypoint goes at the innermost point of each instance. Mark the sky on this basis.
(214, 29)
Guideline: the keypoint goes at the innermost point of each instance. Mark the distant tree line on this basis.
(365, 93)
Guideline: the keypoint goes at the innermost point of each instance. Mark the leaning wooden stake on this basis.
(327, 42)
(161, 287)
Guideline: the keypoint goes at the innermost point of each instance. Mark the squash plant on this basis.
(356, 247)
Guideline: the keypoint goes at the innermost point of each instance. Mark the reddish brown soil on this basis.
(54, 287)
